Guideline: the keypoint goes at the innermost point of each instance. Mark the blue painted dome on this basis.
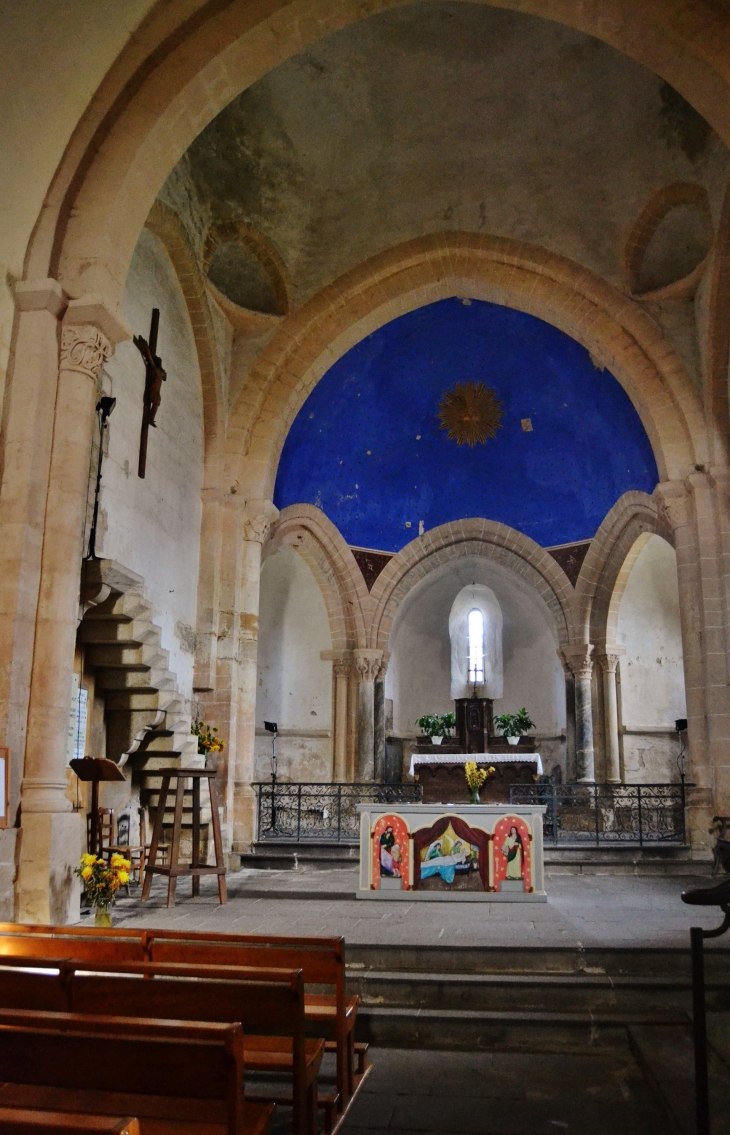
(367, 446)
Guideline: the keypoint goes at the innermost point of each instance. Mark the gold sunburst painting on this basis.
(471, 413)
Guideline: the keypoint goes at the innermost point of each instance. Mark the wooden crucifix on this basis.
(154, 378)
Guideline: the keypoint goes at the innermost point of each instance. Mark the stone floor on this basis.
(505, 1093)
(582, 910)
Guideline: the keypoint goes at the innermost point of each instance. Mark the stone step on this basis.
(612, 962)
(140, 699)
(120, 655)
(531, 992)
(267, 855)
(666, 1055)
(515, 1029)
(127, 632)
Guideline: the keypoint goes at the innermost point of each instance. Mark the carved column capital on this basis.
(674, 502)
(609, 661)
(257, 516)
(368, 664)
(578, 659)
(341, 667)
(85, 350)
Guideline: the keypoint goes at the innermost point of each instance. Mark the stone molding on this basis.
(41, 794)
(674, 503)
(40, 295)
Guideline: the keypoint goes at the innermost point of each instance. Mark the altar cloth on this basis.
(479, 758)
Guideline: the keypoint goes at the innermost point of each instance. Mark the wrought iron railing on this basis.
(326, 812)
(604, 814)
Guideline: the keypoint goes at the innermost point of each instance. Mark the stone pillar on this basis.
(609, 662)
(580, 662)
(51, 834)
(379, 724)
(367, 667)
(571, 774)
(255, 519)
(341, 671)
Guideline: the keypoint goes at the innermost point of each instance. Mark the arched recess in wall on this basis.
(460, 539)
(634, 516)
(167, 226)
(186, 62)
(320, 544)
(511, 273)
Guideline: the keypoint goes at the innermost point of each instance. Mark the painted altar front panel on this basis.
(483, 852)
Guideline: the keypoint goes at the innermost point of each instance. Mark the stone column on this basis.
(580, 662)
(341, 671)
(51, 834)
(367, 667)
(571, 774)
(379, 724)
(255, 519)
(609, 662)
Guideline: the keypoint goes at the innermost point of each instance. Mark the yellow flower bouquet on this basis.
(208, 739)
(102, 880)
(475, 778)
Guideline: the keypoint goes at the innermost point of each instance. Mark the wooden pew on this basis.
(176, 1077)
(22, 1121)
(269, 1002)
(322, 961)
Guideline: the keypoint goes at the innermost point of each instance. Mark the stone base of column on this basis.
(51, 845)
(244, 818)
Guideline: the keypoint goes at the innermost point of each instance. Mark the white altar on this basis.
(438, 758)
(452, 852)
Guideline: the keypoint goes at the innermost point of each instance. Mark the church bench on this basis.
(176, 1077)
(269, 1002)
(23, 1121)
(322, 961)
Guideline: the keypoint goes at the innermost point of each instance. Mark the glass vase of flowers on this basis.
(101, 881)
(475, 778)
(208, 739)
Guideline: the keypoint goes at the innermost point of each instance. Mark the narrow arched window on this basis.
(475, 627)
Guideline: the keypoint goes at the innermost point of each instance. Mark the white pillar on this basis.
(341, 668)
(609, 664)
(51, 834)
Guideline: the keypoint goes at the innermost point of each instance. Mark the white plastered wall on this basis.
(652, 669)
(152, 525)
(419, 674)
(294, 683)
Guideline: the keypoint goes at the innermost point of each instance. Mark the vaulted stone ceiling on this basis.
(441, 116)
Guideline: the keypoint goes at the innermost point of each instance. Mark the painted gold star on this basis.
(471, 413)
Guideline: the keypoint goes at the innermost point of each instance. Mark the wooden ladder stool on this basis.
(173, 868)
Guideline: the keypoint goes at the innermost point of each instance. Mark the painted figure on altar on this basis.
(512, 849)
(390, 854)
(447, 855)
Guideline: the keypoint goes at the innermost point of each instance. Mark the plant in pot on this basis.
(513, 725)
(436, 726)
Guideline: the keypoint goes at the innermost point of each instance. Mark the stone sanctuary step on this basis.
(665, 1053)
(550, 999)
(284, 855)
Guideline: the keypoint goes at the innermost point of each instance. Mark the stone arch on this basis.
(456, 540)
(656, 209)
(612, 553)
(259, 245)
(167, 226)
(188, 60)
(614, 329)
(321, 545)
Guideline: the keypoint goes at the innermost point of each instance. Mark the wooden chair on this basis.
(106, 829)
(269, 1005)
(134, 852)
(173, 1075)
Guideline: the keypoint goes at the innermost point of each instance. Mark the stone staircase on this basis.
(147, 718)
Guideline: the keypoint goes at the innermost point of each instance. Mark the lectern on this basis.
(95, 769)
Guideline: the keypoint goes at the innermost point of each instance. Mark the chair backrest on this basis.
(132, 1058)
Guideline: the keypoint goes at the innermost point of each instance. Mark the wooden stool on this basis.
(174, 868)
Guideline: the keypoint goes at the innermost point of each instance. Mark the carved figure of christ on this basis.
(155, 375)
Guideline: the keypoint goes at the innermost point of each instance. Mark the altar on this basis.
(458, 853)
(441, 774)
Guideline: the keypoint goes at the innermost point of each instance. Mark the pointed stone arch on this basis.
(518, 275)
(613, 551)
(486, 539)
(321, 545)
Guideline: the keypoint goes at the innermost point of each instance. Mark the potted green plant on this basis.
(436, 726)
(513, 725)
